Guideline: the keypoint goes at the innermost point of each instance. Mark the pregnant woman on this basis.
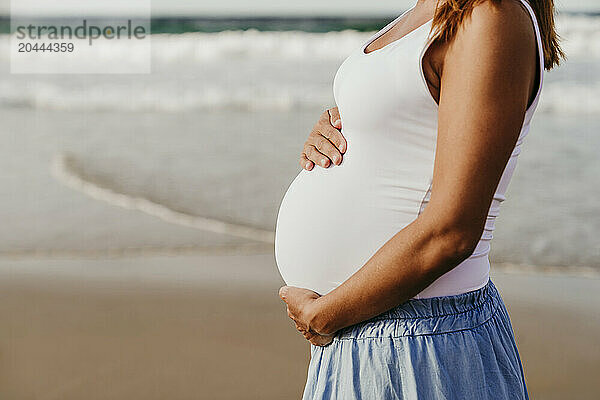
(383, 237)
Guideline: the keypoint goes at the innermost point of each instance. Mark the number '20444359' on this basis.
(46, 47)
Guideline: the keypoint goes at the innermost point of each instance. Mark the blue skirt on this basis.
(450, 347)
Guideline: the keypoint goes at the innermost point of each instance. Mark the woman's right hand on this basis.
(325, 144)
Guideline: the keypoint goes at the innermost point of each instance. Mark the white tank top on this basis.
(331, 221)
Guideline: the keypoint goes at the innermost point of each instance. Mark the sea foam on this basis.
(268, 70)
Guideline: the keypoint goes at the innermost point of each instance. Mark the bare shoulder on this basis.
(505, 22)
(492, 56)
(499, 33)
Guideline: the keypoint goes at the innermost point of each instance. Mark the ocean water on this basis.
(209, 141)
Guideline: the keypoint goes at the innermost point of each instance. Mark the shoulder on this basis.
(496, 31)
(505, 22)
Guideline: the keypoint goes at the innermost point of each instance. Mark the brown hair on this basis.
(450, 14)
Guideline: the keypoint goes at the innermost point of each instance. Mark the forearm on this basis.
(405, 265)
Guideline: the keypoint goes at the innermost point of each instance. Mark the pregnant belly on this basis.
(331, 221)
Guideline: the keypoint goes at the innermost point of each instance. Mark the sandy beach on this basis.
(188, 327)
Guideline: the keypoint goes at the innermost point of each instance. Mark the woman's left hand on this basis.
(301, 305)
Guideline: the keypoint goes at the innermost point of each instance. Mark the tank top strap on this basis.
(540, 50)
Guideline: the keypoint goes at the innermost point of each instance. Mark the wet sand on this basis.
(212, 327)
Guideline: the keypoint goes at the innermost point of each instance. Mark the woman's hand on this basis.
(301, 306)
(325, 144)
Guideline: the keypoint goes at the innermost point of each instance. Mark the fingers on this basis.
(323, 149)
(301, 329)
(311, 336)
(283, 292)
(306, 163)
(334, 118)
(313, 154)
(319, 340)
(336, 136)
(315, 338)
(325, 144)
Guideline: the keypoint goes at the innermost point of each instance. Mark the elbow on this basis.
(454, 242)
(463, 244)
(452, 231)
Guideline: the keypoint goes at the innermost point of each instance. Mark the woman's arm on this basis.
(486, 81)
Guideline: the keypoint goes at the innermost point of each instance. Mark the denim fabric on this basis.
(450, 347)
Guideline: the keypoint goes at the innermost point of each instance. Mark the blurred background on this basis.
(136, 211)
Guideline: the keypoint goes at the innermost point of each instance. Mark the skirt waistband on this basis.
(431, 316)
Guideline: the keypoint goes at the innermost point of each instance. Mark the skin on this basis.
(325, 144)
(482, 105)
